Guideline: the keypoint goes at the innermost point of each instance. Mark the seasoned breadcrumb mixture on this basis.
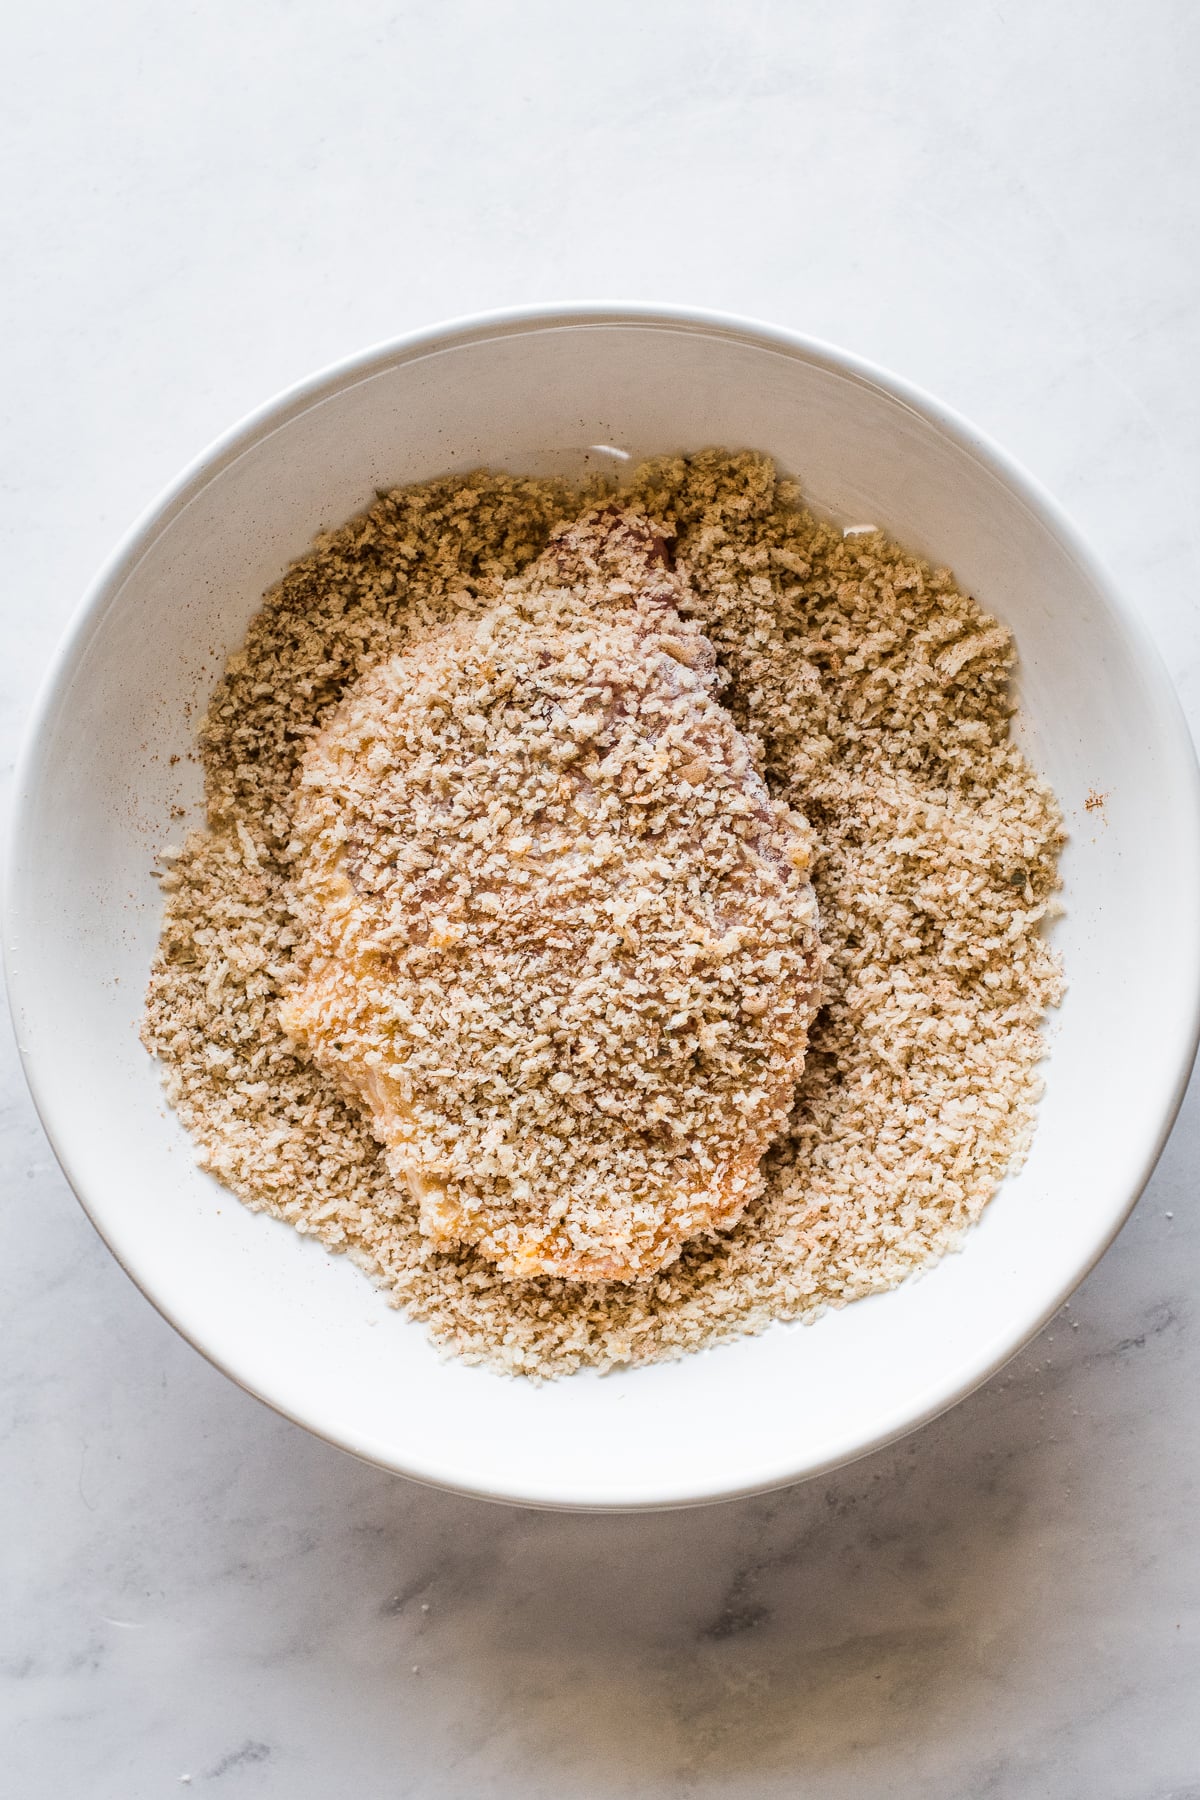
(874, 698)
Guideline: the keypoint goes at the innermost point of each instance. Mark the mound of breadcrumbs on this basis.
(874, 697)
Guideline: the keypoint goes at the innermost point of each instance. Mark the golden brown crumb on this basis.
(555, 932)
(874, 695)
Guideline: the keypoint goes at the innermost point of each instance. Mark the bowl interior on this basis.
(306, 1331)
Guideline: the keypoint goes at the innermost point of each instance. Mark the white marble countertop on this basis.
(203, 204)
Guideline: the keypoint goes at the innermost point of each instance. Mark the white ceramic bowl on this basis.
(537, 391)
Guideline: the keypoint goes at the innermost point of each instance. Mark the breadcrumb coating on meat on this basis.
(874, 696)
(554, 930)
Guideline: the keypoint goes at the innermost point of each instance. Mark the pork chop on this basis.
(559, 941)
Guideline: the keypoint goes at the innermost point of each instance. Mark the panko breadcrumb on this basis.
(555, 933)
(874, 697)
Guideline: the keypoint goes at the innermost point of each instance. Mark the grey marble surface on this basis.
(201, 205)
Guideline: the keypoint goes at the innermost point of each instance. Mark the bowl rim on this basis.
(336, 377)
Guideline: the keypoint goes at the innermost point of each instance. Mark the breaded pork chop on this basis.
(558, 938)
